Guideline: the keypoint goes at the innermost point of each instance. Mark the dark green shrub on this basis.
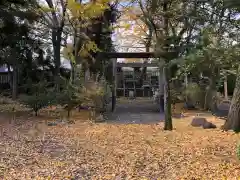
(39, 97)
(98, 94)
(194, 94)
(70, 97)
(35, 102)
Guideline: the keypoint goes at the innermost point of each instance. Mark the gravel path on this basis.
(136, 112)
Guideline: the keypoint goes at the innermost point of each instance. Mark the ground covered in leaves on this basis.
(29, 149)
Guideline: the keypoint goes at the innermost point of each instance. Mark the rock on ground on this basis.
(202, 122)
(198, 121)
(209, 125)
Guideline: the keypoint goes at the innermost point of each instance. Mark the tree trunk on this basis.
(167, 93)
(186, 80)
(10, 76)
(233, 120)
(73, 74)
(14, 82)
(186, 86)
(76, 52)
(211, 95)
(114, 85)
(225, 88)
(56, 41)
(161, 79)
(167, 101)
(68, 113)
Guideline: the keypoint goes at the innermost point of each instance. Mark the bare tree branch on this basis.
(54, 16)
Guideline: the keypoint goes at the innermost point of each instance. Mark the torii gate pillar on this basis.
(114, 85)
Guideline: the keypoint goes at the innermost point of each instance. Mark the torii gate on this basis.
(115, 55)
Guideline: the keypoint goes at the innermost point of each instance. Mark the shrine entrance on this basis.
(137, 81)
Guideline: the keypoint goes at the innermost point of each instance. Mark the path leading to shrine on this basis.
(138, 111)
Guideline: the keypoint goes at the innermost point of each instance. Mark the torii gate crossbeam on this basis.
(127, 54)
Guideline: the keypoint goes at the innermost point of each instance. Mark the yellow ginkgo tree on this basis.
(82, 17)
(69, 18)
